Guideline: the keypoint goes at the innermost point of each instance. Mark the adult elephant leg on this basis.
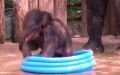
(96, 10)
(117, 16)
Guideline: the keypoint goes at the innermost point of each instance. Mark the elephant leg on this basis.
(96, 10)
(117, 16)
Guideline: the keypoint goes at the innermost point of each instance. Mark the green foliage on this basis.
(72, 11)
(8, 4)
(8, 8)
(73, 1)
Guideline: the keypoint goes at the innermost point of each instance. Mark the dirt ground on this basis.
(107, 63)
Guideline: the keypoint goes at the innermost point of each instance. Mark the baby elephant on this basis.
(43, 31)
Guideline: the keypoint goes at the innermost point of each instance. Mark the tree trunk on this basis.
(18, 16)
(2, 22)
(111, 19)
(47, 5)
(57, 8)
(61, 10)
(33, 4)
(84, 18)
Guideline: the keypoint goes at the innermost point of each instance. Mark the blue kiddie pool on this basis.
(82, 61)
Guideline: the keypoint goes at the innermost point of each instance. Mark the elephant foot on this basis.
(95, 46)
(58, 54)
(117, 52)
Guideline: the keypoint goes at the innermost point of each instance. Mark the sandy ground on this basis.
(107, 63)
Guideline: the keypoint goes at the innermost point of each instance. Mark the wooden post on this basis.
(84, 18)
(60, 9)
(33, 4)
(41, 4)
(2, 22)
(18, 15)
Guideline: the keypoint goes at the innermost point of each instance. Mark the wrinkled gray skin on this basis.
(42, 31)
(96, 12)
